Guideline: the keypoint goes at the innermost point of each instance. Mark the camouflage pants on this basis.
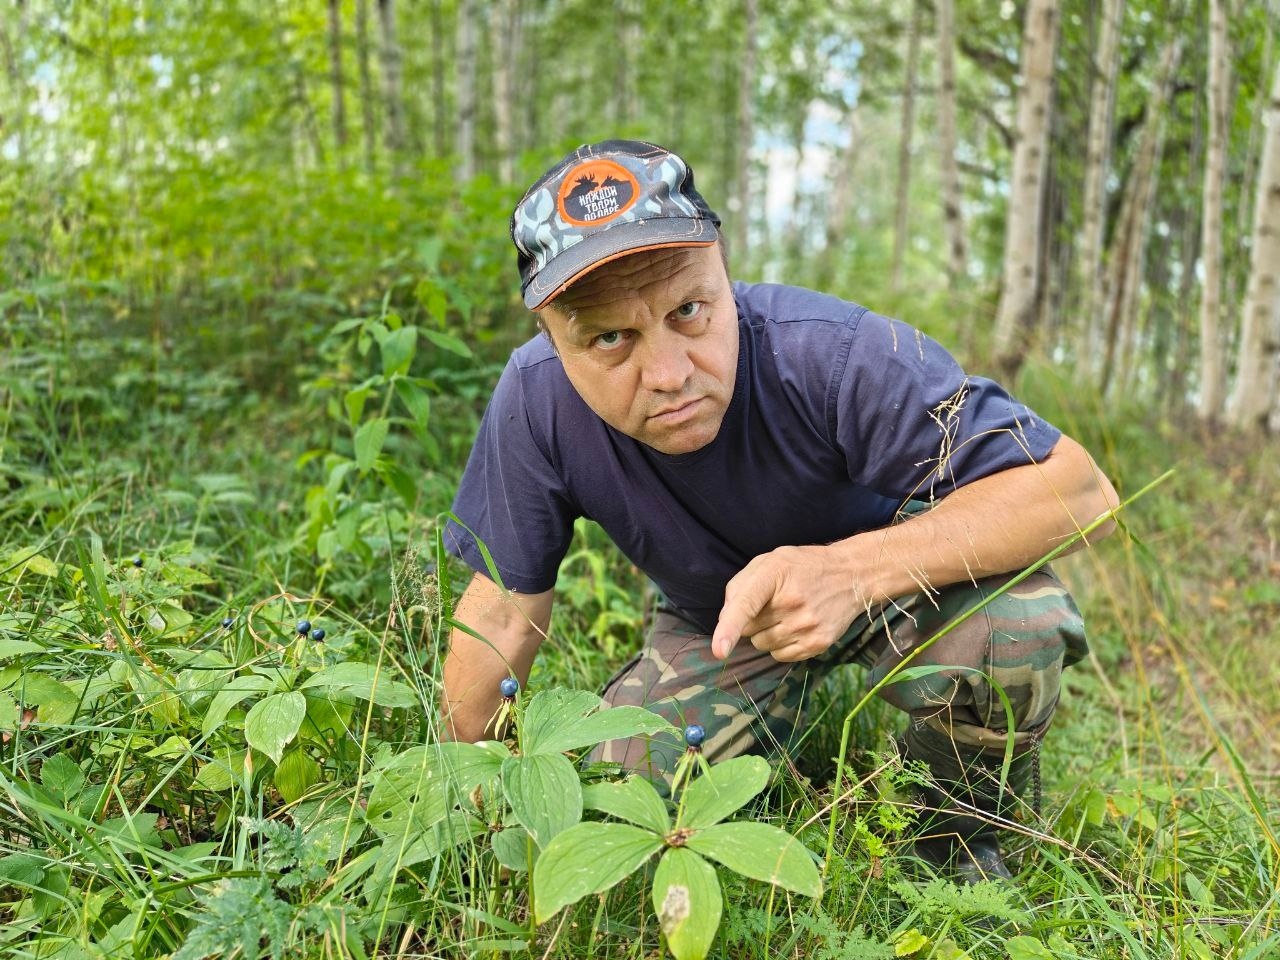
(751, 703)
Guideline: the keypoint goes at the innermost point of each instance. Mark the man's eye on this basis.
(611, 340)
(687, 311)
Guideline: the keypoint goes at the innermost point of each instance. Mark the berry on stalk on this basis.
(509, 687)
(317, 634)
(228, 622)
(304, 626)
(694, 734)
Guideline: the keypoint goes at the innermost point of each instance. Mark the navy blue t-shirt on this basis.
(838, 417)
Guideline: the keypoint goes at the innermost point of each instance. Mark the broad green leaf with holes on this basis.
(686, 898)
(588, 858)
(761, 852)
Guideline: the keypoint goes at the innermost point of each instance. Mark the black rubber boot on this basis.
(955, 830)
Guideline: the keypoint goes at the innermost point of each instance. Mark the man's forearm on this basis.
(513, 626)
(998, 524)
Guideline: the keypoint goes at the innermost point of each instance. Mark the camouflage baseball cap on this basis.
(603, 201)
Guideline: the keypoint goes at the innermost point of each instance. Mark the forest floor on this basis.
(171, 785)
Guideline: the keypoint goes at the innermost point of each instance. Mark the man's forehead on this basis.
(645, 273)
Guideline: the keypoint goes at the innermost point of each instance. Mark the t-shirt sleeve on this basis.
(511, 498)
(911, 424)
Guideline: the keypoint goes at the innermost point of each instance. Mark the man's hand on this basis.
(793, 602)
(796, 601)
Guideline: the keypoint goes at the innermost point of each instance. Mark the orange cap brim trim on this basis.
(617, 256)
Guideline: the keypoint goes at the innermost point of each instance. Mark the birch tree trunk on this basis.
(1089, 276)
(952, 212)
(439, 59)
(1022, 237)
(505, 25)
(391, 78)
(1127, 263)
(741, 204)
(1260, 336)
(335, 76)
(1212, 369)
(368, 121)
(466, 90)
(904, 147)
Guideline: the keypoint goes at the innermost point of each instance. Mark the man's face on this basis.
(650, 342)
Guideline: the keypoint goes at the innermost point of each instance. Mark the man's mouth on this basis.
(678, 413)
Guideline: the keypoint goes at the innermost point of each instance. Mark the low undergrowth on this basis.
(186, 772)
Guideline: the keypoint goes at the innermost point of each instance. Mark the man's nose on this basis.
(665, 364)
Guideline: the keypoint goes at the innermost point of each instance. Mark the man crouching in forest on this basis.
(792, 471)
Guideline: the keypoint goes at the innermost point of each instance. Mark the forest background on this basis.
(257, 283)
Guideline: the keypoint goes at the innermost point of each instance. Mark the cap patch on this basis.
(595, 192)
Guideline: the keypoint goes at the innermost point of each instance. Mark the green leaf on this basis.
(908, 942)
(397, 350)
(633, 799)
(62, 777)
(761, 852)
(295, 774)
(586, 859)
(1027, 948)
(552, 711)
(57, 701)
(366, 681)
(447, 341)
(722, 790)
(369, 440)
(544, 792)
(21, 870)
(223, 772)
(511, 848)
(615, 723)
(416, 401)
(273, 721)
(229, 696)
(16, 648)
(416, 788)
(686, 898)
(354, 400)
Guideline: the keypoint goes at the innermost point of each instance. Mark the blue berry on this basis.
(137, 561)
(304, 626)
(509, 687)
(694, 734)
(317, 634)
(228, 622)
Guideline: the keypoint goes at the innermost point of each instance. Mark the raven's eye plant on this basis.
(592, 857)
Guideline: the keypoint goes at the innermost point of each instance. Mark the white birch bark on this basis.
(505, 24)
(391, 76)
(367, 121)
(1260, 335)
(1212, 368)
(335, 77)
(1022, 237)
(1097, 163)
(952, 211)
(904, 147)
(1125, 269)
(466, 90)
